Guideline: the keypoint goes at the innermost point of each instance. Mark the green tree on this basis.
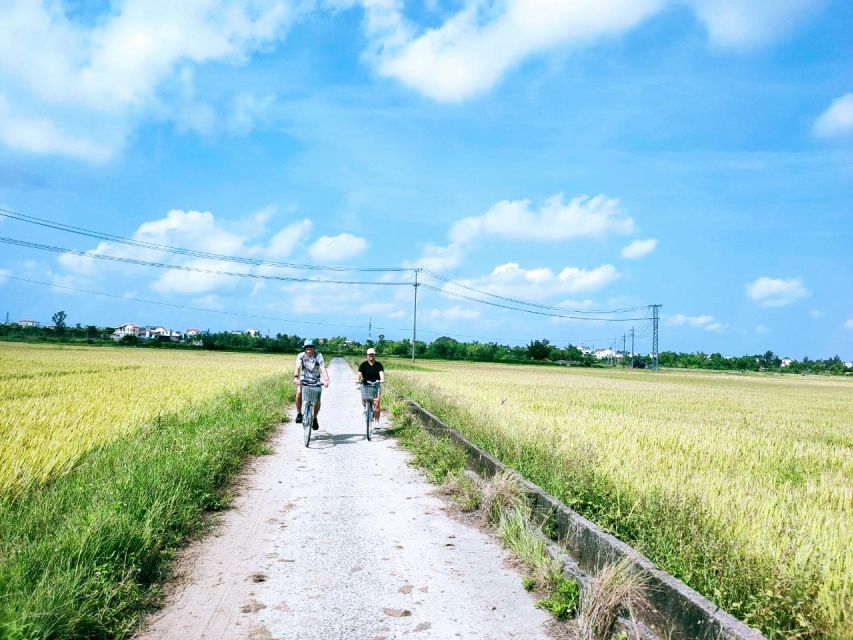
(59, 322)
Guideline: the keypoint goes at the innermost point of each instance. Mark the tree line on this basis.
(444, 347)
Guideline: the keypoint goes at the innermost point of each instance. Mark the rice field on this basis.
(742, 486)
(57, 403)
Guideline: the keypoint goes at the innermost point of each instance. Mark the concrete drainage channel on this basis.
(584, 549)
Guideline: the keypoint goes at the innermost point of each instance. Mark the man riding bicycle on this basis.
(371, 370)
(309, 371)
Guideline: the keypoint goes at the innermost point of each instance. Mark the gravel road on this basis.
(343, 540)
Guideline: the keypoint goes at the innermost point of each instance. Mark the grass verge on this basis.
(83, 557)
(502, 504)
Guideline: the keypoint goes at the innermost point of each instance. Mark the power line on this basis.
(455, 283)
(99, 235)
(532, 311)
(256, 316)
(178, 267)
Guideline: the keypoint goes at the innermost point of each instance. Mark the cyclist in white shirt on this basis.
(310, 370)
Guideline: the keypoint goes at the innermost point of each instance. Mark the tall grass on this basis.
(743, 488)
(81, 556)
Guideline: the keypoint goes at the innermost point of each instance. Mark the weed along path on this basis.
(344, 540)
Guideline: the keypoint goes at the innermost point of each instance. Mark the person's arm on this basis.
(297, 368)
(323, 373)
(381, 373)
(359, 376)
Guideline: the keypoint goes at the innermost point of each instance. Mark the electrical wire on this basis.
(532, 311)
(178, 267)
(455, 283)
(98, 235)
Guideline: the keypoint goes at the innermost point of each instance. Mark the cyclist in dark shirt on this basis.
(371, 370)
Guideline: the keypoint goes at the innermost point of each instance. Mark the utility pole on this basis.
(370, 328)
(655, 320)
(632, 347)
(624, 353)
(415, 317)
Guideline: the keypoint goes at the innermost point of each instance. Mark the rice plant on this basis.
(742, 486)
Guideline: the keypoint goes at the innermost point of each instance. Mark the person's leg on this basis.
(376, 404)
(299, 400)
(317, 408)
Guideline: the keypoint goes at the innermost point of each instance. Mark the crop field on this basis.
(742, 486)
(56, 403)
(109, 460)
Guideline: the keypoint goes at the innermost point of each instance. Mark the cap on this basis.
(371, 351)
(308, 343)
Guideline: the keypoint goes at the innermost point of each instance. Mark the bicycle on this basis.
(369, 391)
(310, 396)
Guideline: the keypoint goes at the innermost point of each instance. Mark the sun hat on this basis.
(308, 343)
(371, 351)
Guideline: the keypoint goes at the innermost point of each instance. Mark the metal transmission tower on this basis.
(655, 321)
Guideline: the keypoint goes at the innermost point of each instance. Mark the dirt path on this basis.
(344, 541)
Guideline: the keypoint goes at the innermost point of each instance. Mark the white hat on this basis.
(371, 351)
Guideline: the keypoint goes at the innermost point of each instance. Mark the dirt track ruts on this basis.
(343, 541)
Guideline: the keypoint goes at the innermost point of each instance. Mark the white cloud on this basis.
(639, 248)
(582, 217)
(776, 292)
(746, 24)
(336, 249)
(476, 46)
(848, 324)
(40, 135)
(706, 322)
(382, 309)
(513, 280)
(761, 329)
(282, 244)
(92, 79)
(837, 120)
(815, 313)
(438, 258)
(454, 313)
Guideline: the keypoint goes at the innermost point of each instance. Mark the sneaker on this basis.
(298, 417)
(316, 424)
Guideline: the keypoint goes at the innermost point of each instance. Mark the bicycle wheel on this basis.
(307, 420)
(368, 416)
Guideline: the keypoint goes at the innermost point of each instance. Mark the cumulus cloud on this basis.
(438, 258)
(837, 120)
(197, 231)
(706, 322)
(776, 292)
(513, 280)
(639, 248)
(747, 24)
(282, 244)
(848, 324)
(554, 221)
(91, 79)
(475, 47)
(337, 248)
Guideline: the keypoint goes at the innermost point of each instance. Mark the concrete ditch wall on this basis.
(677, 607)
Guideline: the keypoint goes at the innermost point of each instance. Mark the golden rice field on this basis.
(762, 468)
(56, 403)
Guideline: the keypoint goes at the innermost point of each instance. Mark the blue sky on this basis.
(586, 155)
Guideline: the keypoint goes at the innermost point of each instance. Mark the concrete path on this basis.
(344, 540)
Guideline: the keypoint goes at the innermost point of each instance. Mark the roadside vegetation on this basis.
(593, 611)
(88, 529)
(739, 487)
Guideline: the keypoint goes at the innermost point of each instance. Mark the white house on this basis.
(125, 330)
(28, 323)
(192, 332)
(786, 362)
(601, 354)
(253, 332)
